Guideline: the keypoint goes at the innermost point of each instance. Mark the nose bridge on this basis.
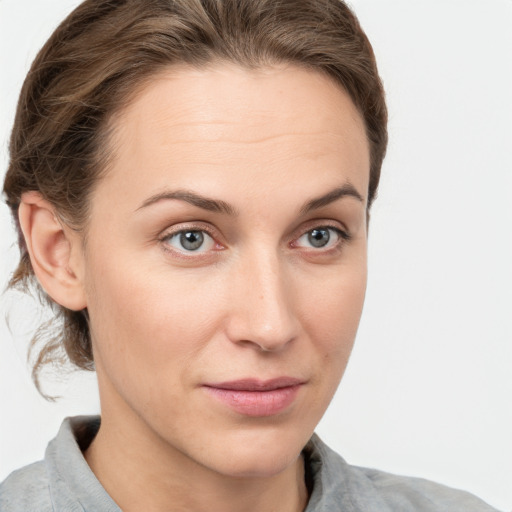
(262, 311)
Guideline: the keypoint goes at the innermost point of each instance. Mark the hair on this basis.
(105, 50)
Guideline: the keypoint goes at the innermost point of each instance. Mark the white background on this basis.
(428, 391)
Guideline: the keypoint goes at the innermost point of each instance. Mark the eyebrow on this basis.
(319, 202)
(219, 206)
(206, 203)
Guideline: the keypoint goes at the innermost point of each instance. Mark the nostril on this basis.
(268, 341)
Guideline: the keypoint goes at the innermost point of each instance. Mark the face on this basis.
(225, 267)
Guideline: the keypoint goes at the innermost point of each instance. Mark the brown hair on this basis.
(104, 50)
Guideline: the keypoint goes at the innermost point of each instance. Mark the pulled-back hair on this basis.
(106, 50)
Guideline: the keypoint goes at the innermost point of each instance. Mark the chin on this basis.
(258, 465)
(257, 454)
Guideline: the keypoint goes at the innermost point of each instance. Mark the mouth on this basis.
(253, 397)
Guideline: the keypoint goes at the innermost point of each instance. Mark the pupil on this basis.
(191, 240)
(319, 237)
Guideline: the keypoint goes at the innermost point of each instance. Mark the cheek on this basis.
(331, 314)
(146, 326)
(335, 304)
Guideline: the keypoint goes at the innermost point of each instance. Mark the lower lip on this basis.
(256, 403)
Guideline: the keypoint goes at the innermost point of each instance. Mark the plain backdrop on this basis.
(428, 391)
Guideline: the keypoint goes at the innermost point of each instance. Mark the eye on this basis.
(321, 237)
(190, 240)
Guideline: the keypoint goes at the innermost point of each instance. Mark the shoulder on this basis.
(26, 489)
(360, 489)
(408, 493)
(63, 482)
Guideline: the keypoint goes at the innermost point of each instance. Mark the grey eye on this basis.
(191, 240)
(319, 237)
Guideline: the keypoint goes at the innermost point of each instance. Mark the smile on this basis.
(252, 397)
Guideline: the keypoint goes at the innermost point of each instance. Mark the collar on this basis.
(333, 484)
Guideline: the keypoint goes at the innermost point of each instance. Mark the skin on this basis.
(257, 300)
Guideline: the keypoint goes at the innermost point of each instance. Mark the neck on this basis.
(141, 471)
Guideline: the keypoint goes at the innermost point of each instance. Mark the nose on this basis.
(262, 313)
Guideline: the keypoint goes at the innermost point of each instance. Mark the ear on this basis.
(54, 250)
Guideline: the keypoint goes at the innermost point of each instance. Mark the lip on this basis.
(254, 397)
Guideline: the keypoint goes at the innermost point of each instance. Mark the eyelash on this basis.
(165, 239)
(344, 237)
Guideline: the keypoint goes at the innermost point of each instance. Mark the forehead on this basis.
(224, 121)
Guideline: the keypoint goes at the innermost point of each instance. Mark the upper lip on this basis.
(257, 384)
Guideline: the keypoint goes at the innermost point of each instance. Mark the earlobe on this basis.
(51, 245)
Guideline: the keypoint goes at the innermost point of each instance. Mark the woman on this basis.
(192, 183)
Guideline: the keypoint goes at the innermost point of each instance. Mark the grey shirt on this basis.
(63, 482)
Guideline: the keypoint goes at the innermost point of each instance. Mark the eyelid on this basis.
(343, 236)
(321, 223)
(205, 227)
(190, 226)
